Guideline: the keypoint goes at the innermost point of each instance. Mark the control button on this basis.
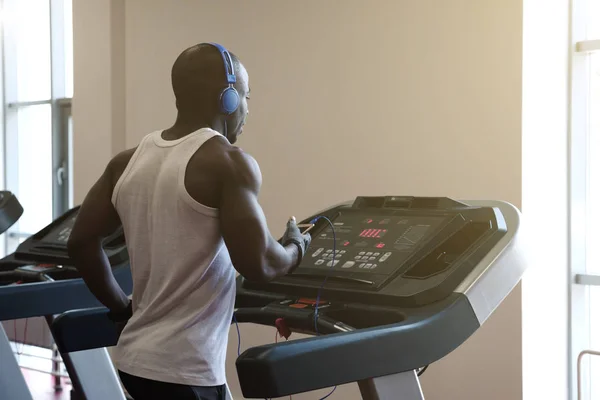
(385, 256)
(319, 261)
(338, 256)
(365, 258)
(362, 253)
(368, 266)
(311, 302)
(357, 258)
(343, 252)
(380, 245)
(333, 263)
(348, 264)
(376, 254)
(372, 258)
(362, 265)
(369, 253)
(297, 305)
(373, 266)
(316, 253)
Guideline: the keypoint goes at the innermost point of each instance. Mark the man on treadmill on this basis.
(187, 201)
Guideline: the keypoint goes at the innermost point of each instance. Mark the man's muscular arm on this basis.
(97, 219)
(254, 252)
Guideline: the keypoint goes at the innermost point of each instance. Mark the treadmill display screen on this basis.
(374, 244)
(60, 234)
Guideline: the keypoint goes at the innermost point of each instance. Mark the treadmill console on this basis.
(373, 243)
(41, 279)
(393, 250)
(50, 244)
(10, 210)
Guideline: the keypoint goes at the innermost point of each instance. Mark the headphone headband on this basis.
(228, 62)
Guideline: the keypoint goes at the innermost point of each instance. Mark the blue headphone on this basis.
(229, 99)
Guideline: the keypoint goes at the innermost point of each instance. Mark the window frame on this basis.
(580, 281)
(60, 111)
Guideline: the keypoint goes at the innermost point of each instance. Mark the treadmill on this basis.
(394, 283)
(39, 279)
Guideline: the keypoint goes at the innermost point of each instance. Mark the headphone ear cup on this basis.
(230, 100)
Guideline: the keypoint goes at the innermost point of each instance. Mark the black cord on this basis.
(237, 326)
(323, 285)
(328, 271)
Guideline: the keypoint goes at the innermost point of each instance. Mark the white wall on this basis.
(348, 98)
(98, 89)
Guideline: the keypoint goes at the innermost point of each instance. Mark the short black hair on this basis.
(198, 75)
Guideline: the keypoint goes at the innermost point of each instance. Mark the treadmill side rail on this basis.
(49, 298)
(501, 270)
(12, 382)
(93, 375)
(303, 365)
(86, 329)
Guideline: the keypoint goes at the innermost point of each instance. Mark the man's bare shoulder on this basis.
(242, 168)
(118, 163)
(240, 162)
(230, 162)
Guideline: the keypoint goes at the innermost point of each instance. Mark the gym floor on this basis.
(41, 386)
(35, 360)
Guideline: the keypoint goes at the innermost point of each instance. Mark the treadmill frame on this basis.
(482, 291)
(92, 373)
(12, 381)
(473, 296)
(404, 386)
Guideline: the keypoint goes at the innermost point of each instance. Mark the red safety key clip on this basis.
(282, 328)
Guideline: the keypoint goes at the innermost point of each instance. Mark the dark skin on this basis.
(219, 175)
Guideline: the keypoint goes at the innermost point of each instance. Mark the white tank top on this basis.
(183, 279)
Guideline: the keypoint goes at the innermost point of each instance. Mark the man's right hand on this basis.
(293, 235)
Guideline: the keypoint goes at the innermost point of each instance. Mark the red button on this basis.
(311, 302)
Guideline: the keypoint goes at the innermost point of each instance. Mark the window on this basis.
(585, 199)
(38, 85)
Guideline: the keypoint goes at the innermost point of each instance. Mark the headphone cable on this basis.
(323, 284)
(318, 293)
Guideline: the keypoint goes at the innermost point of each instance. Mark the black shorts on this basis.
(147, 389)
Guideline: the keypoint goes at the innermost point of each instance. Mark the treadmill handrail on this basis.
(302, 365)
(84, 329)
(298, 323)
(48, 298)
